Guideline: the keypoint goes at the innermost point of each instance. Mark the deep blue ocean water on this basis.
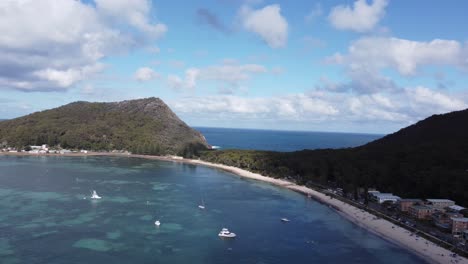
(233, 138)
(46, 216)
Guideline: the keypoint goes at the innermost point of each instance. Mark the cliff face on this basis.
(146, 126)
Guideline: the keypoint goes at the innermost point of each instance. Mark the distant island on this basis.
(143, 126)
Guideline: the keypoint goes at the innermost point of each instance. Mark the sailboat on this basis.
(95, 195)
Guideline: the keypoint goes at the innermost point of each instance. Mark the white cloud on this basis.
(434, 101)
(229, 73)
(403, 55)
(294, 107)
(325, 109)
(266, 22)
(51, 45)
(361, 17)
(65, 78)
(135, 13)
(189, 82)
(145, 74)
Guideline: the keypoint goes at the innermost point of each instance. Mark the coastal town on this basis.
(441, 220)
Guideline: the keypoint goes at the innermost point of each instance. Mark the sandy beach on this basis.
(389, 231)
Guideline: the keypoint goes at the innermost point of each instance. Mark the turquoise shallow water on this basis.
(44, 218)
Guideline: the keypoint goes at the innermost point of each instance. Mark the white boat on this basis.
(284, 220)
(95, 195)
(226, 233)
(157, 223)
(202, 205)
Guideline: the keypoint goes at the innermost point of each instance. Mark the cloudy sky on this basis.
(359, 66)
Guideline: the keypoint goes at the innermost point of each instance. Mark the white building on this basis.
(455, 208)
(385, 197)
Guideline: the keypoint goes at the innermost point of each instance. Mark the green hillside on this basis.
(144, 126)
(428, 159)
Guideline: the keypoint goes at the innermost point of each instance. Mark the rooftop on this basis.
(410, 200)
(386, 195)
(440, 201)
(421, 207)
(456, 207)
(460, 219)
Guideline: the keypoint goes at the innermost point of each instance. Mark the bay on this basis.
(45, 218)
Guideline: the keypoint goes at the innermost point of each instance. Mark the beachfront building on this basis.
(459, 225)
(444, 220)
(421, 212)
(371, 194)
(455, 208)
(439, 204)
(405, 204)
(386, 197)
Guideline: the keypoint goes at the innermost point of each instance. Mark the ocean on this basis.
(47, 216)
(230, 138)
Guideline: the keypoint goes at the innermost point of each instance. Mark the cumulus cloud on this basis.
(229, 73)
(267, 22)
(434, 100)
(135, 13)
(297, 106)
(361, 17)
(144, 74)
(405, 56)
(189, 82)
(51, 45)
(324, 108)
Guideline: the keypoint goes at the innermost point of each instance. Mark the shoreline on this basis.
(395, 234)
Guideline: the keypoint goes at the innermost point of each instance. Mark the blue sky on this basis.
(370, 66)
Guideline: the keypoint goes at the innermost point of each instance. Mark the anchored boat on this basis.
(225, 233)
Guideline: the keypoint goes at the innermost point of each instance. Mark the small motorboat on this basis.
(201, 207)
(157, 223)
(284, 220)
(225, 233)
(95, 195)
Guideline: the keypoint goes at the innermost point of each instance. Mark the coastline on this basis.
(381, 227)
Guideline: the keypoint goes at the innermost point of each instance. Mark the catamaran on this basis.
(225, 233)
(95, 195)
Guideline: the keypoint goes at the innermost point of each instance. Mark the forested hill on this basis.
(447, 129)
(427, 160)
(146, 126)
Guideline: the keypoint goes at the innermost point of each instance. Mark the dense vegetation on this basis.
(145, 126)
(426, 160)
